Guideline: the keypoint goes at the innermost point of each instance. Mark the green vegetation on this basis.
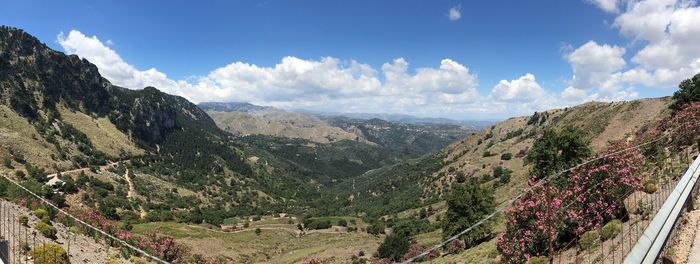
(466, 205)
(393, 247)
(57, 253)
(610, 230)
(46, 229)
(538, 260)
(688, 92)
(411, 226)
(376, 228)
(23, 219)
(588, 240)
(555, 151)
(506, 156)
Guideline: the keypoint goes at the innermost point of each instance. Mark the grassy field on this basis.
(272, 245)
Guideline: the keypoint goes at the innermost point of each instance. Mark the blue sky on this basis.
(519, 56)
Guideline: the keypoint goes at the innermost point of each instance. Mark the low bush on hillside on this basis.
(588, 240)
(506, 156)
(42, 214)
(45, 229)
(49, 253)
(538, 260)
(376, 228)
(23, 219)
(610, 230)
(650, 186)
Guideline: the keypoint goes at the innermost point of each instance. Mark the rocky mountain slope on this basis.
(424, 181)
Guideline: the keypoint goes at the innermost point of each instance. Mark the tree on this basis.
(688, 92)
(393, 247)
(554, 152)
(258, 231)
(466, 205)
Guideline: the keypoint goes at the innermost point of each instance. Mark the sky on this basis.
(456, 59)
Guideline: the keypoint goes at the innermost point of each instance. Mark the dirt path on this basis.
(53, 178)
(130, 193)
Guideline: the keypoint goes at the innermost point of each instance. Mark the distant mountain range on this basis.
(402, 118)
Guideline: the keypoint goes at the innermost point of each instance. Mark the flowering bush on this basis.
(532, 227)
(456, 246)
(311, 261)
(595, 192)
(684, 125)
(589, 196)
(416, 249)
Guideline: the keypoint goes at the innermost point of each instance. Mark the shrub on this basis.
(416, 249)
(311, 261)
(456, 246)
(7, 162)
(45, 229)
(538, 260)
(591, 205)
(42, 214)
(258, 231)
(588, 241)
(24, 247)
(506, 156)
(20, 174)
(343, 222)
(393, 247)
(57, 253)
(610, 230)
(650, 186)
(533, 226)
(376, 228)
(23, 219)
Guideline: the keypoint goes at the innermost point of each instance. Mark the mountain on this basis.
(236, 107)
(242, 119)
(424, 181)
(411, 138)
(59, 114)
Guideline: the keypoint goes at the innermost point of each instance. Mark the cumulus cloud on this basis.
(667, 33)
(328, 84)
(454, 13)
(593, 64)
(524, 88)
(610, 6)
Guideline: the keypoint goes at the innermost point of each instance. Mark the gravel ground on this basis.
(81, 249)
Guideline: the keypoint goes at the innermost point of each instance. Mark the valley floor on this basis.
(274, 244)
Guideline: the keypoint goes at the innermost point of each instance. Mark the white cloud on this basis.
(328, 84)
(593, 64)
(575, 95)
(524, 88)
(610, 6)
(454, 13)
(668, 32)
